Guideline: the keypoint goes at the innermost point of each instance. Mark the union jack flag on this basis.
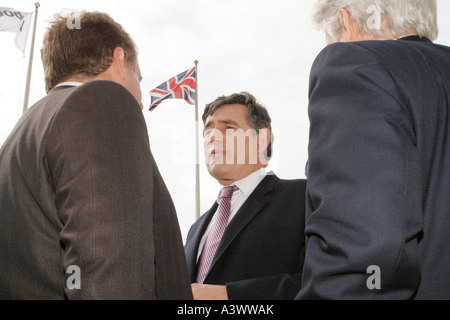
(181, 86)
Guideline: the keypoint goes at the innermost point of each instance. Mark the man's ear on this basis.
(263, 140)
(118, 64)
(350, 30)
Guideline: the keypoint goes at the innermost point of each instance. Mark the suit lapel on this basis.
(248, 211)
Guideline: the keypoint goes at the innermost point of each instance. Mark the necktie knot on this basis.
(227, 192)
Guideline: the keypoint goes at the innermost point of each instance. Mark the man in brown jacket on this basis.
(84, 211)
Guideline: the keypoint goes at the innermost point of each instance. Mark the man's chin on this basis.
(220, 171)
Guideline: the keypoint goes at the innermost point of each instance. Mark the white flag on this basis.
(18, 22)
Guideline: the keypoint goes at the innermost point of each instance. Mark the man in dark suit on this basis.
(260, 253)
(377, 197)
(84, 211)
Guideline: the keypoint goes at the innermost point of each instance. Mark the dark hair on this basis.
(87, 51)
(257, 115)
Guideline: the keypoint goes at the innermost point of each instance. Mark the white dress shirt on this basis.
(246, 187)
(72, 84)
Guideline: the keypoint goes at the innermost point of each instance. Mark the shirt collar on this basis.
(249, 183)
(69, 83)
(414, 38)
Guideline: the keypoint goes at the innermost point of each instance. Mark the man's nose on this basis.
(214, 135)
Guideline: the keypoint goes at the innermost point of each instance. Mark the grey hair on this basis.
(398, 16)
(257, 115)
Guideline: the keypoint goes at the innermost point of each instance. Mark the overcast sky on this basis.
(265, 47)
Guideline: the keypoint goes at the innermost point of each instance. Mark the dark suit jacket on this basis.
(379, 171)
(79, 186)
(260, 255)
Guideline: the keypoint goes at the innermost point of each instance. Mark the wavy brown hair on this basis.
(85, 51)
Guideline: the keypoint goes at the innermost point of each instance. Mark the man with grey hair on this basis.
(377, 219)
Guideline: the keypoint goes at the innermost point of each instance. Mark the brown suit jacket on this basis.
(80, 187)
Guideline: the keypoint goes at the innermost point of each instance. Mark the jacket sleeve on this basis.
(106, 193)
(363, 192)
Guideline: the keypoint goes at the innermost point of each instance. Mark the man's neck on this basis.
(229, 182)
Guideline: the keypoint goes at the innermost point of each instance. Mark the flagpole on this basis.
(30, 61)
(197, 161)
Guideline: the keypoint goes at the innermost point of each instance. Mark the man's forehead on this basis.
(232, 111)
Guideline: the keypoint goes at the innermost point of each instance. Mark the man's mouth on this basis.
(216, 152)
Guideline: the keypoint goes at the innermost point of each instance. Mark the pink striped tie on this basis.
(215, 234)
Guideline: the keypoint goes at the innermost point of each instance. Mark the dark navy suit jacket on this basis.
(379, 172)
(262, 250)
